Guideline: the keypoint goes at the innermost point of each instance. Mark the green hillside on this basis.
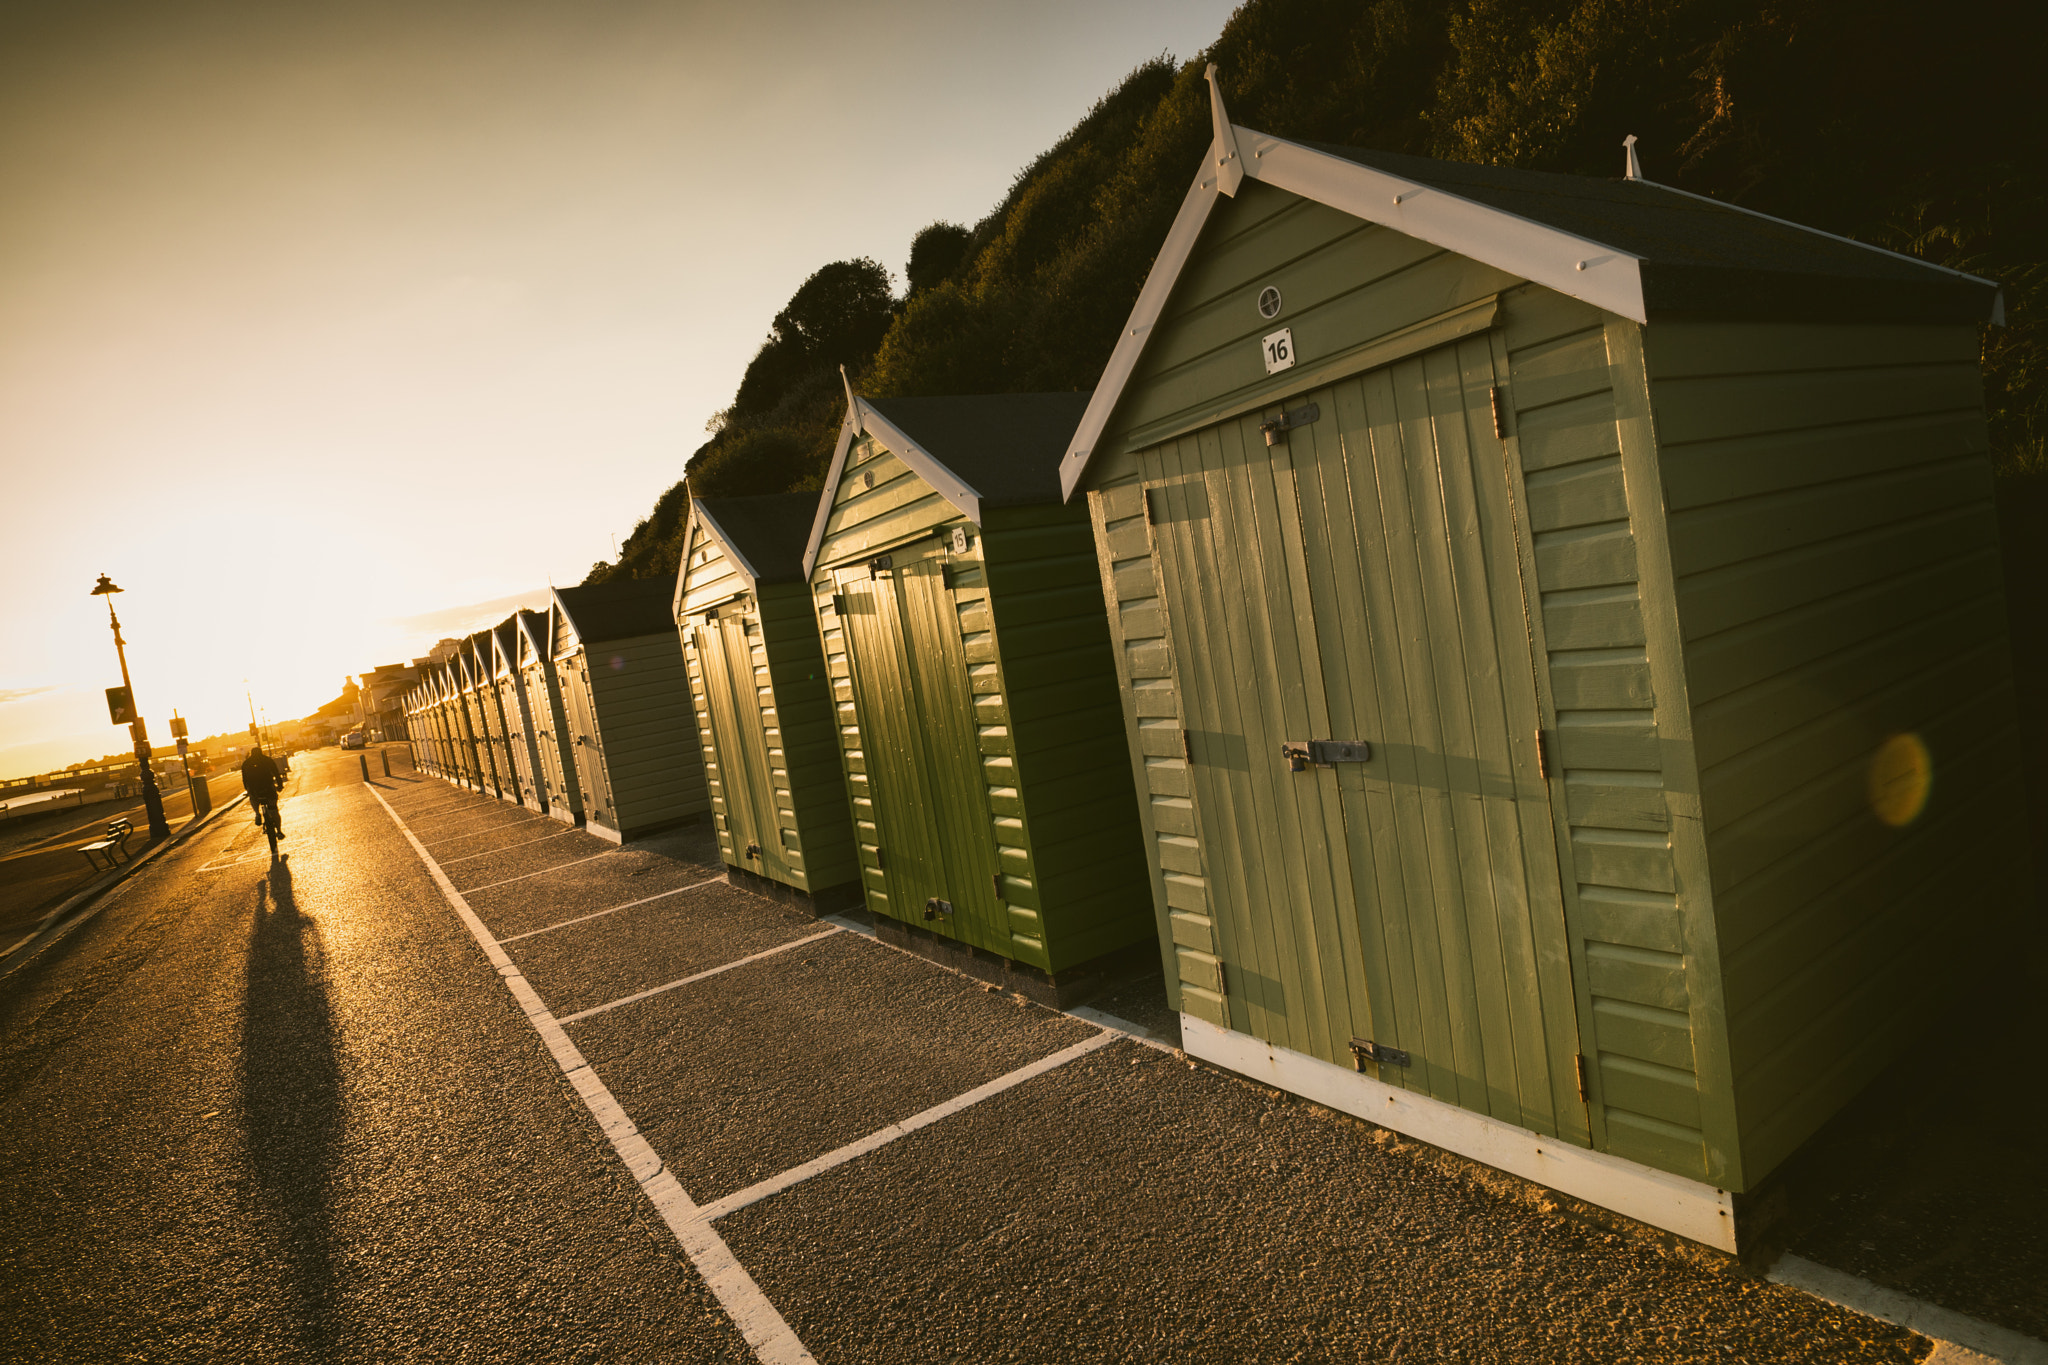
(1910, 126)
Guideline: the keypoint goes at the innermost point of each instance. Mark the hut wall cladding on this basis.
(1063, 839)
(1835, 554)
(1640, 954)
(552, 734)
(647, 727)
(798, 731)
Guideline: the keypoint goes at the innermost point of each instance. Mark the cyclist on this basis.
(261, 779)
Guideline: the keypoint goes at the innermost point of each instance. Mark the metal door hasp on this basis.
(1324, 753)
(1365, 1050)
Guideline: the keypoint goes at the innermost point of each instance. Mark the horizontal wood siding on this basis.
(1644, 990)
(647, 725)
(1836, 561)
(803, 739)
(708, 576)
(1054, 698)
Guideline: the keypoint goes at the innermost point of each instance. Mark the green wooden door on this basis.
(918, 742)
(742, 737)
(584, 743)
(1364, 581)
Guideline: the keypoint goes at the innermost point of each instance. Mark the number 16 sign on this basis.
(1279, 350)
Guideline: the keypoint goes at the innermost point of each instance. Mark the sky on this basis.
(330, 330)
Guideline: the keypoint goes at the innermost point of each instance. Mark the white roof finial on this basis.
(1634, 169)
(1229, 165)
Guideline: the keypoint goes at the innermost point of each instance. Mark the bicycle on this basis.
(272, 823)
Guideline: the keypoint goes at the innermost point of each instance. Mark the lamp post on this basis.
(152, 799)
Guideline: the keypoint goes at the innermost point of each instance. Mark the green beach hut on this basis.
(978, 715)
(626, 698)
(1564, 657)
(764, 705)
(552, 739)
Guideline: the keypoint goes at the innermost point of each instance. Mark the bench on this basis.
(114, 848)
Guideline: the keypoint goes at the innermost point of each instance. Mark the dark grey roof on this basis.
(619, 611)
(1006, 446)
(1699, 256)
(769, 531)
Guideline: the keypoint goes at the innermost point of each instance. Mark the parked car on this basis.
(354, 739)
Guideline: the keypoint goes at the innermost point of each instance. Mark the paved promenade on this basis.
(455, 1082)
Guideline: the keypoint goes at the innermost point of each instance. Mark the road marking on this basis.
(796, 1175)
(480, 833)
(469, 857)
(487, 886)
(759, 1323)
(1958, 1338)
(737, 962)
(598, 914)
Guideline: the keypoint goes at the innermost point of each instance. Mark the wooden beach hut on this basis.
(520, 740)
(978, 714)
(1564, 657)
(764, 704)
(552, 738)
(479, 706)
(626, 693)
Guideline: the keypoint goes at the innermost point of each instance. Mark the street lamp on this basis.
(152, 799)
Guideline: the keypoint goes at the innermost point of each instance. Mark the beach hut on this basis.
(521, 739)
(1565, 664)
(463, 766)
(764, 705)
(626, 694)
(980, 728)
(553, 741)
(478, 705)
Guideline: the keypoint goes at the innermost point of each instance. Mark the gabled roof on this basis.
(505, 639)
(976, 451)
(764, 537)
(533, 628)
(1627, 246)
(616, 611)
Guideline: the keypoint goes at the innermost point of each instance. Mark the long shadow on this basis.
(291, 1103)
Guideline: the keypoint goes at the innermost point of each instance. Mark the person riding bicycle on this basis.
(261, 779)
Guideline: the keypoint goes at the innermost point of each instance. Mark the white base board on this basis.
(562, 813)
(1693, 1210)
(604, 832)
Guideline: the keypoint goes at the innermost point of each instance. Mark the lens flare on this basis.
(1901, 777)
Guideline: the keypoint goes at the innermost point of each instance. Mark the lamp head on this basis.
(104, 587)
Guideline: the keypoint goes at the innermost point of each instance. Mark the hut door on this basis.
(583, 739)
(918, 740)
(742, 738)
(1362, 581)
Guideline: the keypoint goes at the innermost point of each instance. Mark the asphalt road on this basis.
(295, 1113)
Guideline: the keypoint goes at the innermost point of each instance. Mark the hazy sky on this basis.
(320, 322)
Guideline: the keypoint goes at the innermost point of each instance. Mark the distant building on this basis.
(380, 700)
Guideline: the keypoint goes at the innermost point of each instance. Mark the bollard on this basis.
(385, 755)
(364, 759)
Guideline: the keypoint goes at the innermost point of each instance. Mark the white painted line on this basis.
(599, 914)
(492, 852)
(753, 1194)
(1958, 1337)
(759, 1323)
(488, 829)
(854, 926)
(1103, 1019)
(487, 886)
(737, 962)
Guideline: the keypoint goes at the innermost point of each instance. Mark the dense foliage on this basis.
(1906, 125)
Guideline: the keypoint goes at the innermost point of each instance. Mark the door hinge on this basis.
(995, 882)
(1365, 1050)
(1222, 978)
(1543, 753)
(1187, 745)
(1585, 1082)
(839, 604)
(946, 575)
(879, 864)
(1500, 430)
(879, 563)
(753, 850)
(1146, 495)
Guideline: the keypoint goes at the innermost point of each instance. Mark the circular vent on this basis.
(1269, 303)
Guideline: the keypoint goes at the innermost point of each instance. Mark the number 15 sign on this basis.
(1279, 348)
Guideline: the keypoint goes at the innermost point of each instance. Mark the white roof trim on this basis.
(561, 615)
(1229, 165)
(863, 418)
(699, 516)
(1604, 276)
